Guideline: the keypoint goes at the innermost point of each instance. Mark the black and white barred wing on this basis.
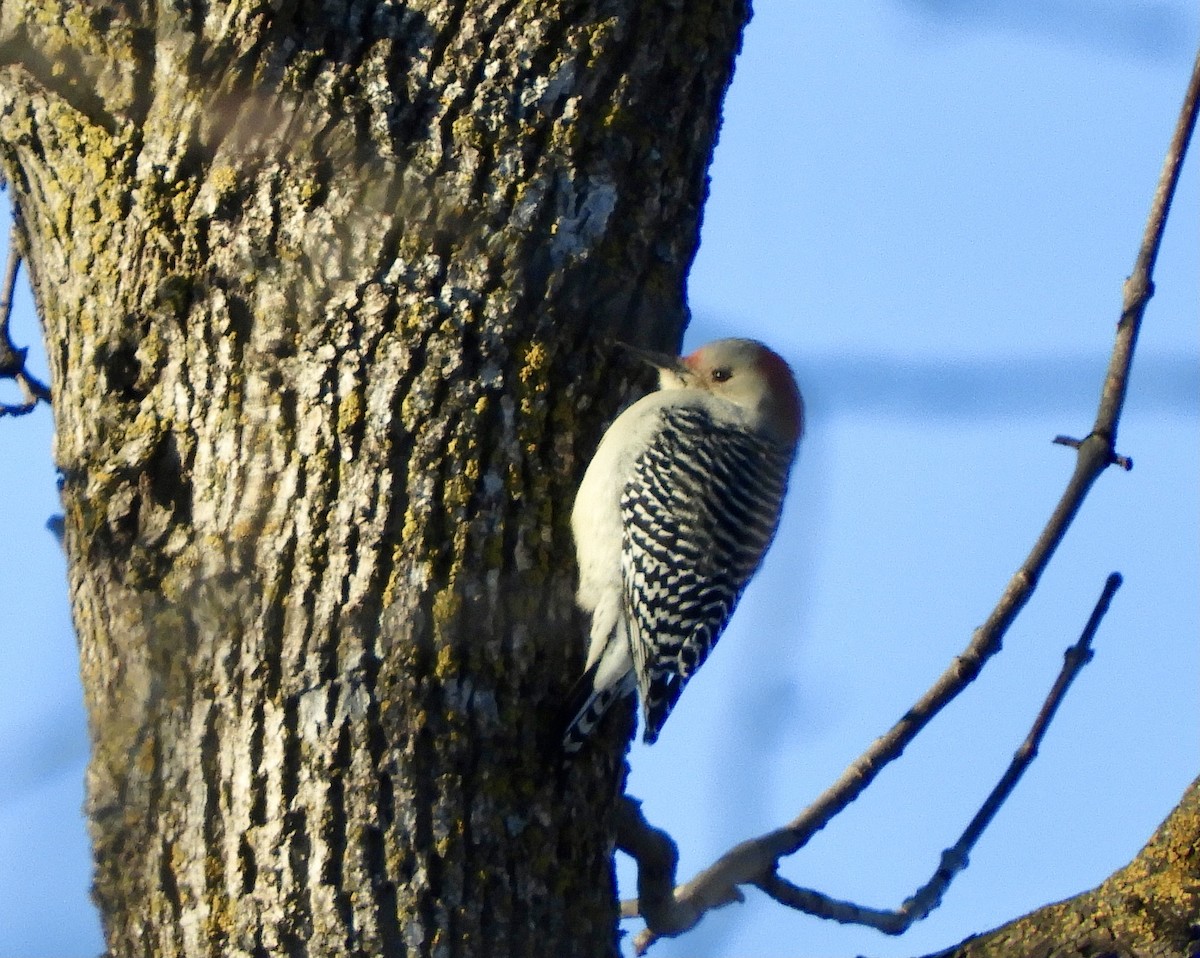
(699, 513)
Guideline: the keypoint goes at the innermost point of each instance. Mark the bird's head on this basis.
(743, 372)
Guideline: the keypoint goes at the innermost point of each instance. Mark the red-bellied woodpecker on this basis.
(673, 517)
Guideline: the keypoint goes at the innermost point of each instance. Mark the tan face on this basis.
(742, 372)
(728, 368)
(749, 375)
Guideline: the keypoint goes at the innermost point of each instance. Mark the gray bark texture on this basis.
(327, 288)
(1148, 909)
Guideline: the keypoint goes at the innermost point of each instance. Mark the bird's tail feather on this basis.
(661, 698)
(586, 706)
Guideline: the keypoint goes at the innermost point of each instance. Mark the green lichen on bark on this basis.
(1148, 909)
(326, 292)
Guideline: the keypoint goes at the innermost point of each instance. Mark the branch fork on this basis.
(669, 910)
(12, 358)
(1114, 459)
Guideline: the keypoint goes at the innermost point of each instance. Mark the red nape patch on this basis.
(779, 374)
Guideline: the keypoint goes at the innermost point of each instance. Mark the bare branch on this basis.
(754, 861)
(656, 853)
(12, 359)
(1139, 287)
(657, 857)
(1123, 461)
(955, 859)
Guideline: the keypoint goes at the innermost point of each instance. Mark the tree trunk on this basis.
(1148, 909)
(327, 288)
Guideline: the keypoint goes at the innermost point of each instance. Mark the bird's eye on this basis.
(721, 374)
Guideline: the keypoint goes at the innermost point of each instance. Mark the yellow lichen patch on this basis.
(78, 23)
(466, 132)
(534, 361)
(412, 528)
(307, 189)
(350, 411)
(395, 580)
(599, 39)
(411, 412)
(224, 180)
(457, 491)
(1157, 883)
(220, 914)
(533, 378)
(447, 605)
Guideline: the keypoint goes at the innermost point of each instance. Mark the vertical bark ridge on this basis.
(321, 282)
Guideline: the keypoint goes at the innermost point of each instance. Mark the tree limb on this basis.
(754, 861)
(12, 359)
(954, 859)
(670, 912)
(1148, 909)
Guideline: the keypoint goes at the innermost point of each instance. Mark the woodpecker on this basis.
(673, 517)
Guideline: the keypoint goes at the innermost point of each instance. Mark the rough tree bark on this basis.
(1148, 909)
(322, 283)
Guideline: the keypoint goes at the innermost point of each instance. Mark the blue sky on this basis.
(929, 212)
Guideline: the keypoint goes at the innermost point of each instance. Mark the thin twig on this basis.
(12, 359)
(656, 853)
(755, 860)
(1123, 461)
(954, 859)
(1139, 287)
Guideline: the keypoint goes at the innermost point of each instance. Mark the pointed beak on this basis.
(663, 362)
